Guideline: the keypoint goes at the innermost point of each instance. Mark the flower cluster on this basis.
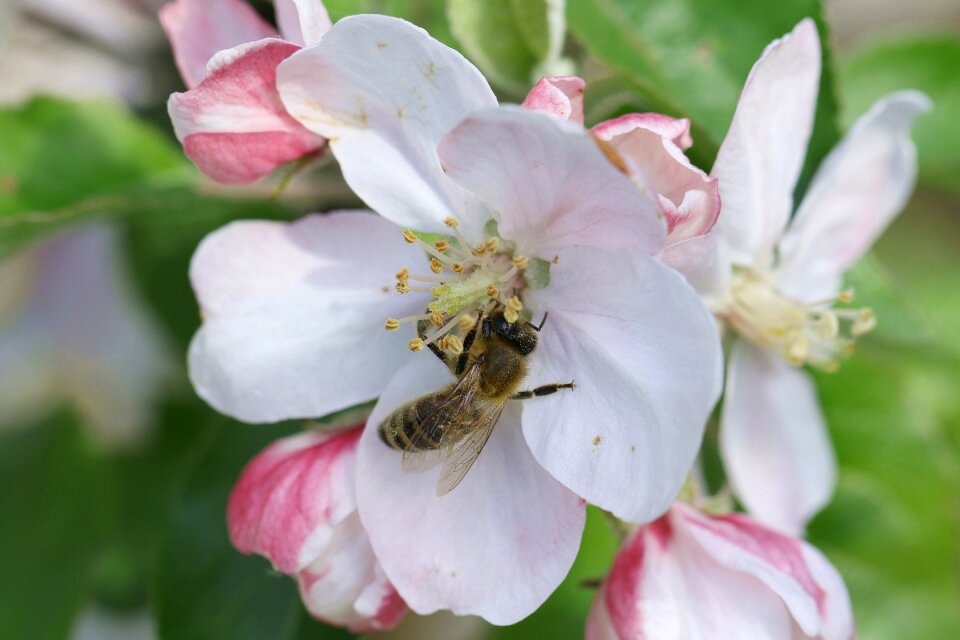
(486, 220)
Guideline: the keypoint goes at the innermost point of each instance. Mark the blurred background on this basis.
(114, 476)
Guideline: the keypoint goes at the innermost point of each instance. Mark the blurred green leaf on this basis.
(61, 162)
(930, 64)
(54, 499)
(691, 57)
(511, 41)
(428, 14)
(204, 588)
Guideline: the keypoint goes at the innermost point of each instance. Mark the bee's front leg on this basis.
(542, 390)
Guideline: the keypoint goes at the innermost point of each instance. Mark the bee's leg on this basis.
(468, 342)
(542, 390)
(437, 351)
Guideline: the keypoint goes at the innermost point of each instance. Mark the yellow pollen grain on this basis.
(402, 287)
(492, 291)
(511, 315)
(454, 344)
(415, 344)
(466, 323)
(392, 324)
(443, 343)
(514, 303)
(409, 236)
(846, 296)
(437, 318)
(403, 274)
(520, 262)
(435, 265)
(451, 222)
(441, 245)
(491, 244)
(457, 267)
(480, 249)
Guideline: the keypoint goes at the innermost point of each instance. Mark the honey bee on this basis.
(453, 424)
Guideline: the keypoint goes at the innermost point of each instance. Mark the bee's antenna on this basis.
(542, 322)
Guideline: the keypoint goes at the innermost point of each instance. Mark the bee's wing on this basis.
(424, 451)
(466, 450)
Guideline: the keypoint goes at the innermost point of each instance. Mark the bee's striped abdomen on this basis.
(406, 425)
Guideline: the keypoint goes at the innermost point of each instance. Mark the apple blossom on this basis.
(295, 505)
(231, 121)
(693, 575)
(777, 285)
(528, 214)
(71, 329)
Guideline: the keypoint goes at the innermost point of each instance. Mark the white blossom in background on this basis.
(72, 332)
(775, 282)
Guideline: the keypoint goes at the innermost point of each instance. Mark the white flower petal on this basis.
(762, 155)
(294, 314)
(774, 441)
(858, 190)
(550, 185)
(385, 92)
(645, 355)
(496, 546)
(302, 22)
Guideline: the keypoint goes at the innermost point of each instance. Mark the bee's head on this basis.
(520, 334)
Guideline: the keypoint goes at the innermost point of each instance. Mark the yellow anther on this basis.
(865, 323)
(453, 223)
(491, 244)
(441, 245)
(520, 262)
(492, 291)
(392, 324)
(454, 344)
(511, 315)
(443, 343)
(415, 344)
(457, 267)
(403, 287)
(435, 265)
(403, 274)
(828, 326)
(480, 249)
(409, 236)
(845, 296)
(466, 323)
(437, 318)
(515, 304)
(798, 351)
(849, 347)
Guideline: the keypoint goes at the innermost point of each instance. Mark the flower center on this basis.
(465, 280)
(813, 333)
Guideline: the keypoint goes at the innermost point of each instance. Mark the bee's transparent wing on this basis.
(440, 430)
(467, 449)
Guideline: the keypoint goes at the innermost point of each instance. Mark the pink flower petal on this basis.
(774, 441)
(302, 22)
(290, 309)
(689, 575)
(860, 187)
(650, 145)
(496, 546)
(645, 355)
(385, 92)
(292, 496)
(550, 185)
(561, 96)
(197, 29)
(233, 125)
(761, 157)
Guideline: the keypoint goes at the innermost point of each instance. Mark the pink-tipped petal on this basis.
(560, 96)
(291, 498)
(385, 93)
(302, 22)
(496, 546)
(774, 441)
(761, 157)
(197, 29)
(233, 125)
(549, 183)
(860, 187)
(289, 309)
(651, 146)
(645, 355)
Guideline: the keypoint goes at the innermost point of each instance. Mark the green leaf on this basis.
(428, 14)
(54, 500)
(511, 41)
(61, 162)
(691, 57)
(204, 588)
(930, 64)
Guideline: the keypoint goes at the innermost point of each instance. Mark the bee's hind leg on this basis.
(542, 390)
